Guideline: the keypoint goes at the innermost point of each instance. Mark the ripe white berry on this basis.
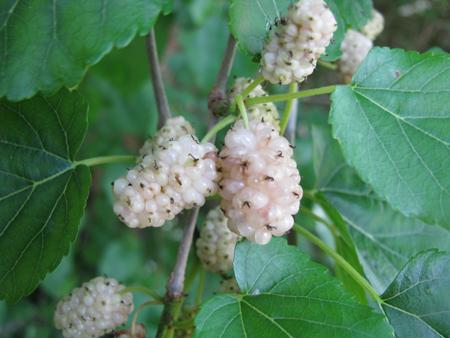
(94, 309)
(229, 285)
(291, 53)
(215, 246)
(266, 112)
(177, 173)
(355, 48)
(260, 184)
(374, 26)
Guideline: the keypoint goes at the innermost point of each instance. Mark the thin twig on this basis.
(176, 281)
(175, 285)
(158, 86)
(217, 100)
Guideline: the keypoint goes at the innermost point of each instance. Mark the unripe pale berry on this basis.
(292, 51)
(374, 26)
(229, 285)
(177, 173)
(355, 48)
(260, 183)
(266, 112)
(215, 246)
(94, 309)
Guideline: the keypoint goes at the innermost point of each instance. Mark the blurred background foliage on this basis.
(122, 115)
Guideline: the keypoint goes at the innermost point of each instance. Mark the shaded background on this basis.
(122, 115)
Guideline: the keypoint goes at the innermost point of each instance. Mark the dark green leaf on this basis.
(355, 13)
(286, 295)
(384, 237)
(49, 44)
(393, 124)
(417, 303)
(43, 191)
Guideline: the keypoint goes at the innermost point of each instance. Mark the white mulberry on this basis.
(266, 112)
(177, 174)
(229, 285)
(291, 53)
(260, 184)
(94, 309)
(215, 246)
(355, 48)
(374, 26)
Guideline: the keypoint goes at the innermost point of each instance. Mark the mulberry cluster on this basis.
(291, 53)
(215, 246)
(260, 183)
(374, 26)
(176, 172)
(94, 309)
(266, 112)
(229, 285)
(355, 48)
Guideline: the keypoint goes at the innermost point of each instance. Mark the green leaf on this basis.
(385, 238)
(393, 124)
(48, 44)
(417, 303)
(355, 13)
(286, 295)
(43, 192)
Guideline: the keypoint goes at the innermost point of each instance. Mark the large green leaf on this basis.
(43, 191)
(385, 238)
(250, 21)
(286, 295)
(393, 124)
(417, 303)
(48, 44)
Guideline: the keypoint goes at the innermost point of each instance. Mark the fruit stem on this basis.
(290, 96)
(319, 219)
(288, 108)
(242, 109)
(138, 311)
(260, 79)
(327, 64)
(340, 261)
(223, 123)
(93, 161)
